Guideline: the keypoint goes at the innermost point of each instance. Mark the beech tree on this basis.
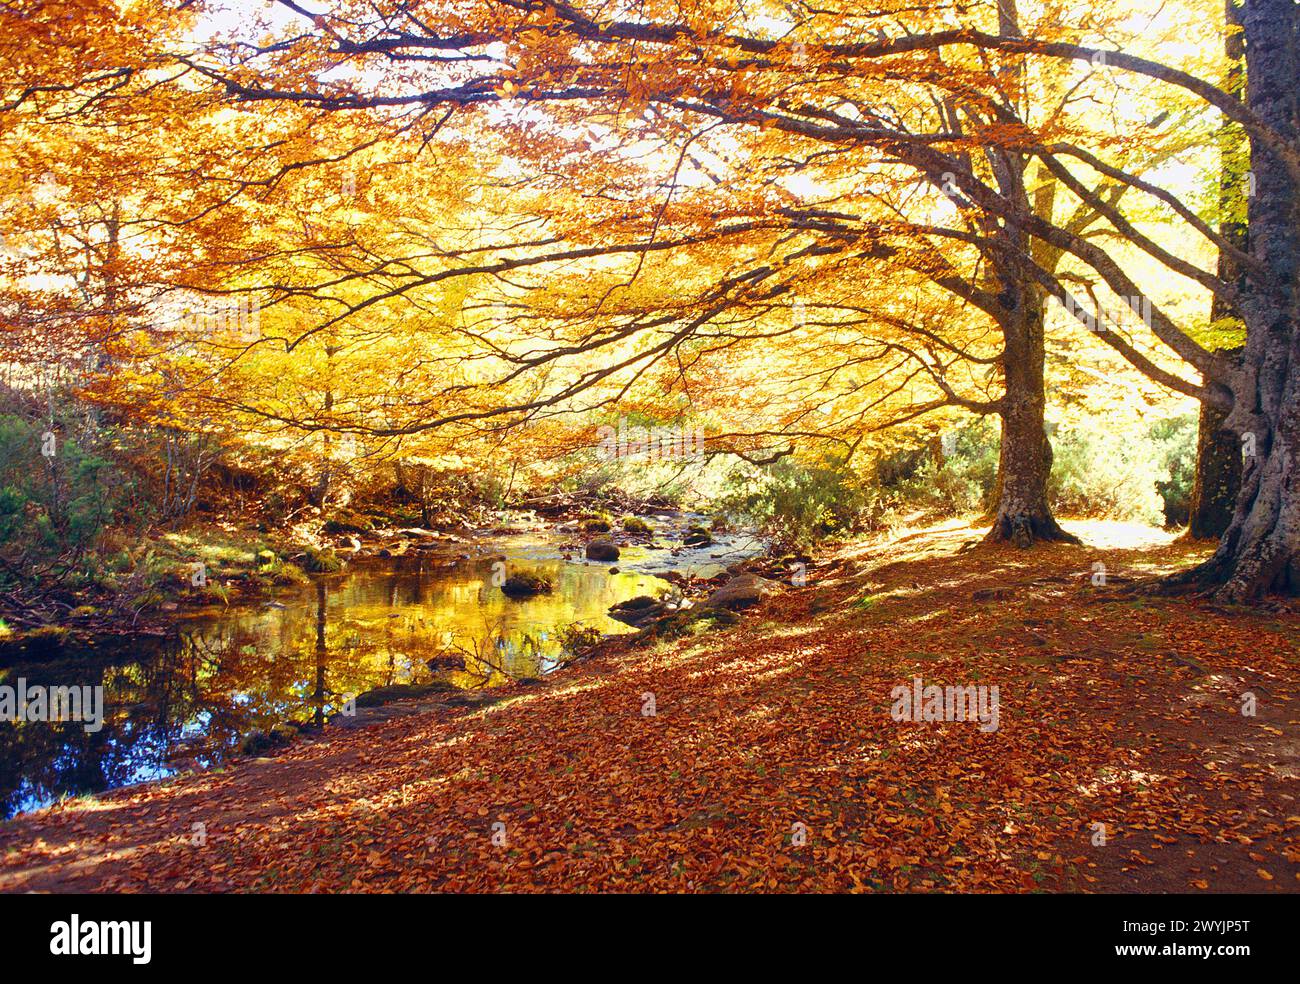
(747, 113)
(606, 118)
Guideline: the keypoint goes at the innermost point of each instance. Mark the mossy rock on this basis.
(526, 586)
(321, 561)
(635, 524)
(637, 611)
(698, 536)
(639, 603)
(402, 691)
(691, 622)
(595, 526)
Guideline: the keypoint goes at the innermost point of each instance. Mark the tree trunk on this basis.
(1218, 477)
(1022, 513)
(1218, 452)
(1260, 551)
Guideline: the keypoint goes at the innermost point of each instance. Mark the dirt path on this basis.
(765, 757)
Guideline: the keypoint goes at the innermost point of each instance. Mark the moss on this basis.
(526, 585)
(321, 561)
(402, 691)
(635, 524)
(288, 575)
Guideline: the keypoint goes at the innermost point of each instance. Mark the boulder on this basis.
(698, 536)
(602, 549)
(743, 591)
(526, 585)
(638, 611)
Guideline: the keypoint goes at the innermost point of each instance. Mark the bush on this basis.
(1142, 474)
(321, 561)
(1175, 442)
(1101, 471)
(796, 504)
(941, 482)
(51, 508)
(575, 638)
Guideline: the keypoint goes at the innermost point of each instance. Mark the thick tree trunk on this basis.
(1218, 477)
(1022, 513)
(1260, 551)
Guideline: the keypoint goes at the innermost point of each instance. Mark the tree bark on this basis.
(1022, 513)
(1260, 551)
(1217, 479)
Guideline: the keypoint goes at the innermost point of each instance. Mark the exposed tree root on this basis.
(1026, 529)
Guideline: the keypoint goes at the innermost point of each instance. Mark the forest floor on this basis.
(764, 757)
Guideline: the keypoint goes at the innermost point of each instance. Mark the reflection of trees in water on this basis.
(192, 697)
(41, 760)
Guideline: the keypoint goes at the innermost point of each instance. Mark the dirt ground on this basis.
(765, 757)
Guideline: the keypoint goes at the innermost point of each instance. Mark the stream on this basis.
(184, 702)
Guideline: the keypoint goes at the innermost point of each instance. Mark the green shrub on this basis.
(1175, 442)
(938, 481)
(1101, 471)
(53, 507)
(795, 503)
(1141, 473)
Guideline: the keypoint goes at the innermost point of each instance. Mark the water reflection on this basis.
(186, 701)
